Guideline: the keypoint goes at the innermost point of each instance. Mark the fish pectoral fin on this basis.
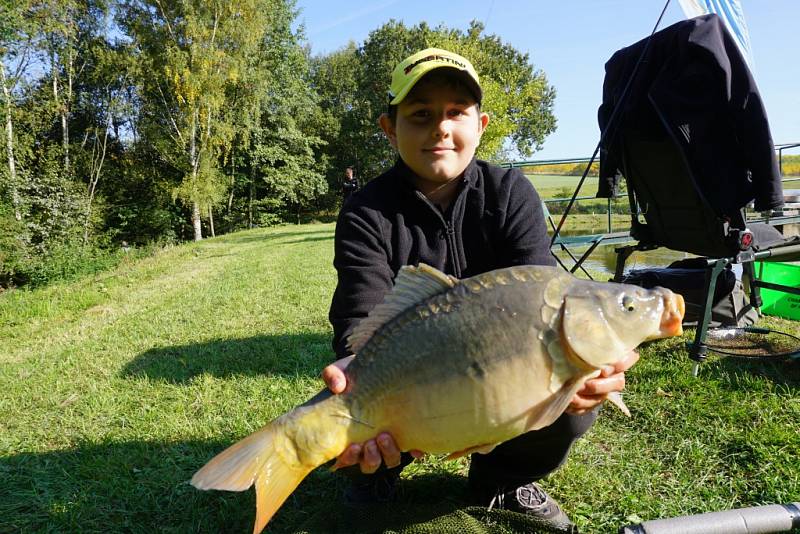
(544, 414)
(615, 397)
(486, 448)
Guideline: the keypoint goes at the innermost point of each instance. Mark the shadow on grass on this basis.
(741, 371)
(318, 234)
(119, 487)
(143, 487)
(282, 355)
(308, 240)
(737, 372)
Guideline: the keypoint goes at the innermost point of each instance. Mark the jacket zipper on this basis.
(450, 232)
(451, 248)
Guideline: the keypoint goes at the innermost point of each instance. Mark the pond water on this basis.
(604, 259)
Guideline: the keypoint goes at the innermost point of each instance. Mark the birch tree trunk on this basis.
(250, 200)
(198, 229)
(211, 221)
(65, 107)
(98, 158)
(12, 167)
(194, 160)
(233, 181)
(60, 107)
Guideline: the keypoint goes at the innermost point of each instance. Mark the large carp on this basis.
(453, 366)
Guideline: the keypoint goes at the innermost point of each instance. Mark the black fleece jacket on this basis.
(495, 221)
(695, 83)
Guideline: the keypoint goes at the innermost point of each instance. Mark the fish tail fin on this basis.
(273, 459)
(274, 484)
(254, 461)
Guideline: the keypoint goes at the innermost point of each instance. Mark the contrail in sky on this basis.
(352, 16)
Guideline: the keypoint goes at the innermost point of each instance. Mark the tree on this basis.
(276, 162)
(335, 79)
(47, 35)
(191, 51)
(17, 42)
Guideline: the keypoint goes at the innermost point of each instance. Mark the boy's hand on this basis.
(595, 390)
(373, 452)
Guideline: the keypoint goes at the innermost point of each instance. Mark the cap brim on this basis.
(475, 88)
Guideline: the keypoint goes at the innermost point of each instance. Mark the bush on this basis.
(25, 264)
(14, 248)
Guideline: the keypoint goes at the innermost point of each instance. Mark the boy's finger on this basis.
(334, 378)
(389, 450)
(602, 386)
(349, 457)
(371, 457)
(582, 404)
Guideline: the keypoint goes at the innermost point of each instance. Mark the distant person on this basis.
(349, 185)
(441, 206)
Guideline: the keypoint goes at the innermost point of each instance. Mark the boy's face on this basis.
(437, 131)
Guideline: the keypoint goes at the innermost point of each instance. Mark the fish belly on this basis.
(469, 408)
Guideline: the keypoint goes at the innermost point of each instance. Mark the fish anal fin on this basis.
(411, 286)
(615, 398)
(486, 448)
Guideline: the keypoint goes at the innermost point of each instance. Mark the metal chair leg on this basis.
(623, 253)
(698, 349)
(749, 270)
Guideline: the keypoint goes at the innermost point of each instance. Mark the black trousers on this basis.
(516, 462)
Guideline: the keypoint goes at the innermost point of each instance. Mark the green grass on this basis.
(117, 387)
(550, 182)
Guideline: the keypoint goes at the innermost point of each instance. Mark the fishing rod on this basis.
(753, 520)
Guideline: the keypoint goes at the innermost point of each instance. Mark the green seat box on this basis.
(778, 303)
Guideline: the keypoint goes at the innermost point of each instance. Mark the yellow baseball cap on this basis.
(409, 71)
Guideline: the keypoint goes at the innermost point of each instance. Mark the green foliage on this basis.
(563, 169)
(790, 165)
(23, 263)
(14, 251)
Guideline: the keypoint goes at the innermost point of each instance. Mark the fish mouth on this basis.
(672, 318)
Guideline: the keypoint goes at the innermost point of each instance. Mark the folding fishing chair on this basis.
(692, 141)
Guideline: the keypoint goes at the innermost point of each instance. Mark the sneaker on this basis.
(533, 501)
(372, 489)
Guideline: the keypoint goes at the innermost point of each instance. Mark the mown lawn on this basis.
(117, 387)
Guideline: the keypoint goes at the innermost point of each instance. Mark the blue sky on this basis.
(571, 40)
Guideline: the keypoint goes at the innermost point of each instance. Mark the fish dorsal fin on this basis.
(411, 286)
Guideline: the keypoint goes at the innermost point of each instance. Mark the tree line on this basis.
(128, 122)
(790, 165)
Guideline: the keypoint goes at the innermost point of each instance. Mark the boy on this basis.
(349, 185)
(439, 205)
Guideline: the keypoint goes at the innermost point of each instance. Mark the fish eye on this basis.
(627, 303)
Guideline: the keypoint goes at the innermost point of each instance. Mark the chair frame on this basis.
(745, 256)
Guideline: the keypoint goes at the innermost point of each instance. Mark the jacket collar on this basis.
(407, 175)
